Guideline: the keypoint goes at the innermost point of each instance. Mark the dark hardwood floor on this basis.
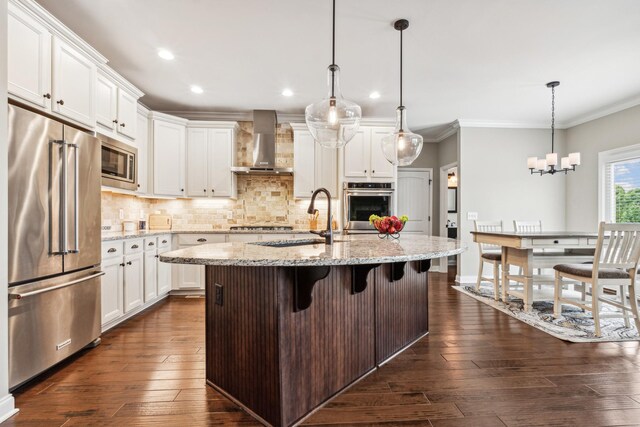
(478, 367)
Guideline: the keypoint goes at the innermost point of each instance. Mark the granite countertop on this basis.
(540, 234)
(346, 250)
(124, 235)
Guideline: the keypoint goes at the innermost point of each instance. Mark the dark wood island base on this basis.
(281, 341)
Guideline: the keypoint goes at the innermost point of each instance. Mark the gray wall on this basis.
(6, 400)
(494, 182)
(614, 131)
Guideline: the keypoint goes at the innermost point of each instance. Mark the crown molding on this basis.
(241, 116)
(504, 124)
(59, 29)
(119, 80)
(217, 124)
(605, 111)
(168, 118)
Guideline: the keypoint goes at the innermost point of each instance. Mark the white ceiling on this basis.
(483, 61)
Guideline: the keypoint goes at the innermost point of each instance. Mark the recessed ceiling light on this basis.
(374, 95)
(196, 89)
(165, 54)
(287, 92)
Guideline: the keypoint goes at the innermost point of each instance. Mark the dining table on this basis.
(536, 251)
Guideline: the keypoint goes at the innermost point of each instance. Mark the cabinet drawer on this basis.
(150, 243)
(112, 249)
(559, 242)
(200, 239)
(164, 242)
(133, 246)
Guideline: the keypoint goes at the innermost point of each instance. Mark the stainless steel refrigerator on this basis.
(54, 242)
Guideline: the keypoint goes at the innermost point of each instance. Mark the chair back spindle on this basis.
(488, 226)
(527, 226)
(618, 246)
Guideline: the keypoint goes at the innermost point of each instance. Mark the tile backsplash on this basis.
(262, 199)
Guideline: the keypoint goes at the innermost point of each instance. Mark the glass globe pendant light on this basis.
(333, 121)
(401, 147)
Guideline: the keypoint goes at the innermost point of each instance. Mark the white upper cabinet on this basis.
(106, 102)
(304, 157)
(221, 158)
(314, 166)
(29, 59)
(142, 144)
(198, 162)
(380, 166)
(127, 113)
(168, 141)
(356, 155)
(363, 158)
(210, 156)
(73, 84)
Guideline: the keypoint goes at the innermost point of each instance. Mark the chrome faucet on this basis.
(328, 233)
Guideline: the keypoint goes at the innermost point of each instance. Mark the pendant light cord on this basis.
(333, 52)
(553, 116)
(401, 31)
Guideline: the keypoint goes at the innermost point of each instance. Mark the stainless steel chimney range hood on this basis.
(264, 146)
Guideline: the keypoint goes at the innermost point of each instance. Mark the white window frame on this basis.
(604, 158)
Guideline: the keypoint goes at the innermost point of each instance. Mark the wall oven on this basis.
(119, 164)
(363, 199)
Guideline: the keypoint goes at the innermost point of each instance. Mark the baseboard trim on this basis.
(466, 279)
(7, 408)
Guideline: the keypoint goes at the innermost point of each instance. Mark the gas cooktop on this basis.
(261, 228)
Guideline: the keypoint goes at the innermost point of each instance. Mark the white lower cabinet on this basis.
(192, 277)
(112, 288)
(134, 278)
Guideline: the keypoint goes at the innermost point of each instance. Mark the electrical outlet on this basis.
(472, 216)
(121, 213)
(219, 294)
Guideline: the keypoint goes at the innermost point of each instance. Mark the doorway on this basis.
(449, 200)
(414, 199)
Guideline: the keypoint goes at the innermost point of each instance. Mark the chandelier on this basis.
(549, 164)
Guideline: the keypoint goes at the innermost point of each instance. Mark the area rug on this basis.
(573, 326)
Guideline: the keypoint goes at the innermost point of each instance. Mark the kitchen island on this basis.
(290, 324)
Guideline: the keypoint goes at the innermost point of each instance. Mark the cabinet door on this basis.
(112, 288)
(168, 158)
(142, 144)
(164, 277)
(304, 164)
(106, 102)
(221, 179)
(127, 114)
(198, 161)
(150, 275)
(74, 77)
(326, 169)
(28, 59)
(190, 276)
(380, 166)
(133, 281)
(356, 155)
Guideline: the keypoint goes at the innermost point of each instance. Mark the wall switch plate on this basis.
(219, 294)
(472, 216)
(121, 214)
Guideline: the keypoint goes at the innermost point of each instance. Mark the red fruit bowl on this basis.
(388, 225)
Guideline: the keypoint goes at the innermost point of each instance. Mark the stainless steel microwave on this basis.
(119, 164)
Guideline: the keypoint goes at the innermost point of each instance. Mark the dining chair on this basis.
(615, 263)
(489, 254)
(527, 226)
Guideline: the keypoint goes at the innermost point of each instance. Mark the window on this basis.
(620, 185)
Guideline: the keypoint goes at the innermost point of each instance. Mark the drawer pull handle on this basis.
(202, 240)
(122, 265)
(556, 241)
(151, 244)
(47, 95)
(128, 262)
(157, 256)
(164, 241)
(134, 246)
(112, 250)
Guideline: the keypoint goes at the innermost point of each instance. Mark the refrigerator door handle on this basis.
(76, 244)
(53, 288)
(62, 217)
